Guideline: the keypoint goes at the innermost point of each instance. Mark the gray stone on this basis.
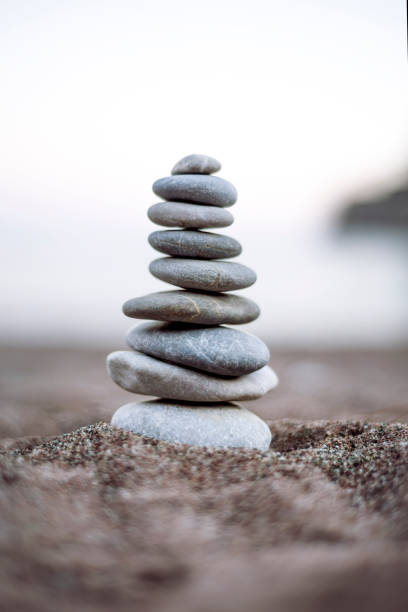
(196, 164)
(218, 350)
(193, 307)
(203, 275)
(181, 214)
(190, 243)
(147, 375)
(198, 188)
(212, 425)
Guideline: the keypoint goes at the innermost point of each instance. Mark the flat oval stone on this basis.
(147, 375)
(196, 164)
(198, 188)
(181, 214)
(219, 350)
(222, 425)
(202, 275)
(192, 307)
(190, 243)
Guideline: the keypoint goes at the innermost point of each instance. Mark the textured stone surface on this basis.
(213, 425)
(219, 350)
(196, 164)
(146, 375)
(199, 188)
(193, 307)
(190, 243)
(202, 275)
(181, 214)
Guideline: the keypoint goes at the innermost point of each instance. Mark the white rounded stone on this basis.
(213, 425)
(147, 375)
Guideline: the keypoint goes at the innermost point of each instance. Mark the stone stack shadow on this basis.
(185, 353)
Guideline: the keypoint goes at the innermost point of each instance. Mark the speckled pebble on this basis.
(190, 243)
(193, 307)
(198, 188)
(218, 350)
(196, 164)
(212, 425)
(203, 275)
(147, 375)
(181, 214)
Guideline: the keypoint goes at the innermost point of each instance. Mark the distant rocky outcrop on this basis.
(389, 210)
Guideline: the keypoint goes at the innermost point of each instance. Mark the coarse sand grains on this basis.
(103, 519)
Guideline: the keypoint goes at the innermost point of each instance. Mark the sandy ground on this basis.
(98, 519)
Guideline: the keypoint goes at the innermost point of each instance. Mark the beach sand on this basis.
(94, 518)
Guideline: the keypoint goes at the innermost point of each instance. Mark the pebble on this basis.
(192, 307)
(223, 425)
(198, 188)
(203, 275)
(147, 375)
(196, 164)
(218, 350)
(183, 354)
(190, 243)
(181, 214)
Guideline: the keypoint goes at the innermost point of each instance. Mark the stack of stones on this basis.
(184, 353)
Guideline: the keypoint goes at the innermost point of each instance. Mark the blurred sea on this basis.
(316, 286)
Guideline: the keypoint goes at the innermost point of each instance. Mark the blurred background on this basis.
(305, 105)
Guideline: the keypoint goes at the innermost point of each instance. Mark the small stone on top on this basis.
(197, 164)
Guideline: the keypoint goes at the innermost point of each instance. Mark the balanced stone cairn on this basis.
(184, 353)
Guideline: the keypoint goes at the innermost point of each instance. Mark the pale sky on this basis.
(303, 102)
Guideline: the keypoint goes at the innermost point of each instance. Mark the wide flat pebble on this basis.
(190, 243)
(181, 214)
(198, 188)
(203, 275)
(147, 375)
(196, 164)
(218, 350)
(213, 425)
(192, 307)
